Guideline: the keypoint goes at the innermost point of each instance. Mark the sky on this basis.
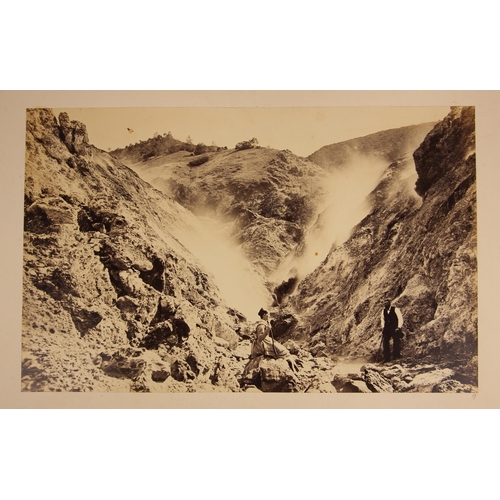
(302, 130)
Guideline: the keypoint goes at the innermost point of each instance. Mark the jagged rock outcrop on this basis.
(252, 143)
(420, 253)
(74, 135)
(450, 145)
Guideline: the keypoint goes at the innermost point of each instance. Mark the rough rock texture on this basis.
(113, 301)
(266, 197)
(74, 135)
(252, 143)
(410, 375)
(446, 149)
(420, 253)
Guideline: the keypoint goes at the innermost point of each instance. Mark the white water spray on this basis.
(345, 206)
(239, 284)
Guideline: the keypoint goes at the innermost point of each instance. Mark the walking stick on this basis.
(272, 338)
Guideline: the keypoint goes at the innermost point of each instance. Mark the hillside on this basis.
(113, 299)
(385, 146)
(159, 145)
(265, 198)
(421, 253)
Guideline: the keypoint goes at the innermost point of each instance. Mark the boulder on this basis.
(347, 383)
(392, 371)
(377, 382)
(201, 360)
(318, 349)
(130, 281)
(322, 387)
(181, 371)
(452, 386)
(125, 363)
(242, 351)
(49, 214)
(276, 376)
(185, 319)
(200, 160)
(85, 319)
(359, 386)
(252, 388)
(221, 342)
(223, 331)
(292, 347)
(160, 375)
(252, 143)
(424, 382)
(127, 304)
(161, 333)
(122, 256)
(74, 135)
(166, 308)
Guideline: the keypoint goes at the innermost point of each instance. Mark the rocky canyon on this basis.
(144, 267)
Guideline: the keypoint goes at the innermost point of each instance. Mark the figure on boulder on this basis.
(391, 321)
(264, 345)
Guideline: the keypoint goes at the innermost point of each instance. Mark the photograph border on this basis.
(13, 130)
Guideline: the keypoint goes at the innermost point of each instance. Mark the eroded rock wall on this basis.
(112, 299)
(421, 253)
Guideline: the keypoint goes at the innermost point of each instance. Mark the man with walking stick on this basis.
(265, 345)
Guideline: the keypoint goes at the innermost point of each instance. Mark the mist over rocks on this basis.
(385, 146)
(419, 253)
(265, 198)
(137, 287)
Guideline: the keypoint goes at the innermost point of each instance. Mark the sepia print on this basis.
(250, 250)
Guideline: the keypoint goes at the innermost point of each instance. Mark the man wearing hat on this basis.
(264, 343)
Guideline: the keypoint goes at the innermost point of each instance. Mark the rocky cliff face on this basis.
(444, 151)
(421, 253)
(113, 300)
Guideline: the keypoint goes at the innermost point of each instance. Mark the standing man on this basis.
(391, 321)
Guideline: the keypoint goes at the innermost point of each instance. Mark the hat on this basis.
(262, 312)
